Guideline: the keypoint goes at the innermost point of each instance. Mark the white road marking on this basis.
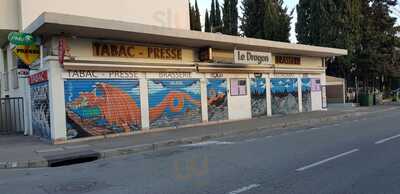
(49, 150)
(207, 143)
(244, 189)
(326, 160)
(387, 139)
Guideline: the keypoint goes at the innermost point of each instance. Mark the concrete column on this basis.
(323, 95)
(269, 96)
(144, 104)
(300, 91)
(204, 102)
(27, 109)
(57, 102)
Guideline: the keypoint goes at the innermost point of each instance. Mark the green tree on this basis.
(191, 16)
(207, 23)
(230, 17)
(276, 21)
(377, 50)
(197, 20)
(252, 19)
(266, 19)
(217, 25)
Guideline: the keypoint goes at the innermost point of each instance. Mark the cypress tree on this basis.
(230, 17)
(212, 15)
(271, 20)
(284, 21)
(226, 17)
(217, 27)
(197, 20)
(191, 16)
(252, 20)
(266, 19)
(207, 23)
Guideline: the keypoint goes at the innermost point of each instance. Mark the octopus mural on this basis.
(284, 96)
(258, 97)
(217, 98)
(306, 94)
(99, 107)
(174, 102)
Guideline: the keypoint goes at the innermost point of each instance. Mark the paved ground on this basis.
(23, 152)
(353, 156)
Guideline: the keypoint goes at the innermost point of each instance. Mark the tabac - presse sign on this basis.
(252, 57)
(135, 51)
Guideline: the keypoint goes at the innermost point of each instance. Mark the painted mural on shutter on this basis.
(174, 102)
(217, 98)
(258, 97)
(306, 94)
(99, 107)
(40, 110)
(284, 96)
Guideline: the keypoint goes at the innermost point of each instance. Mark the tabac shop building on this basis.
(128, 78)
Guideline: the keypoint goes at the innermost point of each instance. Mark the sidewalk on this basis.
(29, 152)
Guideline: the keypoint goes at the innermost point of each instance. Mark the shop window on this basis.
(238, 87)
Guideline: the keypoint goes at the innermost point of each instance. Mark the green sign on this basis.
(21, 39)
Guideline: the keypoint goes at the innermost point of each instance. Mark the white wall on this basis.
(166, 13)
(9, 19)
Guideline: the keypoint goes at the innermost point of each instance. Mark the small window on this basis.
(238, 87)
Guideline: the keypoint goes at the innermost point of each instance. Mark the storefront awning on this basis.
(49, 24)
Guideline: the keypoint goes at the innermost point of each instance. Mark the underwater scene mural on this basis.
(306, 94)
(100, 107)
(40, 110)
(217, 98)
(284, 95)
(174, 102)
(258, 97)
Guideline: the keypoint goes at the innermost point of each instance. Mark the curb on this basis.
(122, 151)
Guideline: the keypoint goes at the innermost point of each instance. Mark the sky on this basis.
(291, 4)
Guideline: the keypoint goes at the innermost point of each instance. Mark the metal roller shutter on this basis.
(98, 107)
(284, 96)
(174, 102)
(306, 94)
(258, 97)
(217, 97)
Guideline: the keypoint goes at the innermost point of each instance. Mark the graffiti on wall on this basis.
(174, 102)
(306, 94)
(40, 110)
(258, 97)
(99, 107)
(284, 95)
(217, 98)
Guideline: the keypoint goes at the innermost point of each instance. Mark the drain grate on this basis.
(67, 159)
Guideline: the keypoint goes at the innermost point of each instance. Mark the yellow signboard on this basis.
(27, 54)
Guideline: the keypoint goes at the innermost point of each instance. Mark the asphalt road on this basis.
(353, 156)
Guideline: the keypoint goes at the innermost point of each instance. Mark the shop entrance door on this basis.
(240, 100)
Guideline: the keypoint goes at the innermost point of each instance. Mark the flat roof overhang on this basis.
(49, 24)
